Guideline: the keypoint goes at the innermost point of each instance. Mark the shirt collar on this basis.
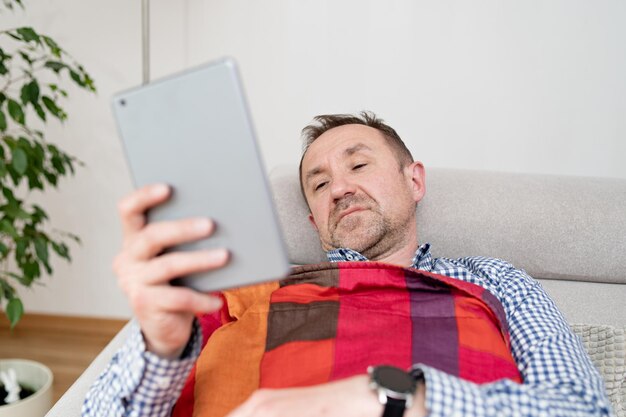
(422, 260)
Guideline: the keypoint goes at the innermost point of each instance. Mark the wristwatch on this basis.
(395, 388)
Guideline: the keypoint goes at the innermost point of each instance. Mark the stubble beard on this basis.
(369, 231)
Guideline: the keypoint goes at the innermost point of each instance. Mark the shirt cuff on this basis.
(449, 396)
(152, 379)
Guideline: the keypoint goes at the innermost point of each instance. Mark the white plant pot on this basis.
(36, 376)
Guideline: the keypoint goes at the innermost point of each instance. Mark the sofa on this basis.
(567, 232)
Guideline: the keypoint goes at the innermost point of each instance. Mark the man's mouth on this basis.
(349, 211)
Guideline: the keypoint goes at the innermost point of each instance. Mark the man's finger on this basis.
(133, 207)
(156, 237)
(176, 264)
(181, 300)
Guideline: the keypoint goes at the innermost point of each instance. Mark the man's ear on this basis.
(312, 220)
(418, 180)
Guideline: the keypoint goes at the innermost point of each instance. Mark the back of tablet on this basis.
(193, 131)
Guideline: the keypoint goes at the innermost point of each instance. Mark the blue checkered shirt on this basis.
(559, 378)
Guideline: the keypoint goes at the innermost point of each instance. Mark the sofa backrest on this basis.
(554, 227)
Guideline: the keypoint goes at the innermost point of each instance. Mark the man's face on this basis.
(360, 198)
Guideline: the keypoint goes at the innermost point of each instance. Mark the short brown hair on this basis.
(323, 123)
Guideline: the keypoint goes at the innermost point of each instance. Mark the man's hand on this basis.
(165, 313)
(344, 398)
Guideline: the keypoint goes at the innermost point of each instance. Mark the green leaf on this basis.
(24, 143)
(74, 238)
(39, 110)
(15, 211)
(53, 149)
(38, 152)
(52, 179)
(33, 181)
(8, 194)
(4, 250)
(19, 160)
(41, 248)
(9, 3)
(30, 92)
(57, 163)
(89, 82)
(69, 162)
(55, 49)
(15, 111)
(25, 94)
(28, 34)
(14, 175)
(21, 244)
(38, 148)
(6, 226)
(14, 311)
(32, 272)
(38, 215)
(26, 57)
(3, 121)
(77, 79)
(62, 250)
(6, 288)
(55, 66)
(53, 108)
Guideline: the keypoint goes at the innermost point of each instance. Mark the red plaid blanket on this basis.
(332, 320)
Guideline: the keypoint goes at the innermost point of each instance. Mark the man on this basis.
(362, 186)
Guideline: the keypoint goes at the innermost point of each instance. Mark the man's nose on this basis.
(341, 187)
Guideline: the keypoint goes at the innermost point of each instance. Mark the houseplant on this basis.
(33, 72)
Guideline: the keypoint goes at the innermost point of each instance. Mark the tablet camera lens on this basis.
(123, 102)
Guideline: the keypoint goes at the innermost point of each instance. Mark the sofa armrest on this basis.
(69, 405)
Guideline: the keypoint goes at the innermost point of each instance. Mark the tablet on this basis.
(193, 131)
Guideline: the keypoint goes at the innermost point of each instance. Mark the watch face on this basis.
(394, 379)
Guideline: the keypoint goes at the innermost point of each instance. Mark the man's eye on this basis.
(358, 166)
(320, 185)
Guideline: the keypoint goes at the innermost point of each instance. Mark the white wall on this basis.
(529, 86)
(524, 86)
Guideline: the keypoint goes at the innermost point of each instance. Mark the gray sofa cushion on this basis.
(589, 302)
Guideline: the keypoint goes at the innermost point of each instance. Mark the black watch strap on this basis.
(394, 408)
